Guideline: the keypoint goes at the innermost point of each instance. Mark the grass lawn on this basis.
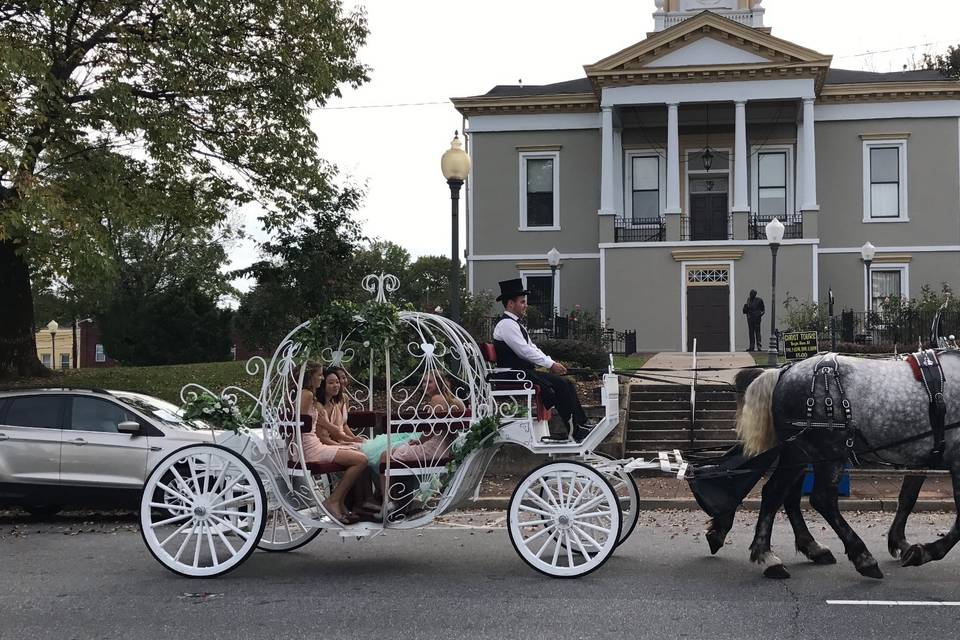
(163, 382)
(761, 358)
(630, 363)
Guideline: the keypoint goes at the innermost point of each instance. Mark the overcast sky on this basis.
(422, 52)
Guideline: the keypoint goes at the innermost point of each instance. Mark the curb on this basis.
(885, 505)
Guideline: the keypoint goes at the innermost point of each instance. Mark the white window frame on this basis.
(901, 144)
(64, 356)
(99, 354)
(47, 360)
(545, 272)
(902, 267)
(755, 152)
(628, 181)
(539, 155)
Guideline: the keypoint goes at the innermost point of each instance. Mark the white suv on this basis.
(61, 447)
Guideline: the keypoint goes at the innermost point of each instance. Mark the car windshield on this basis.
(169, 414)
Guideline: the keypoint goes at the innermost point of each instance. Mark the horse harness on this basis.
(927, 370)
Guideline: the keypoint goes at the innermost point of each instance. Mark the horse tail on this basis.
(755, 415)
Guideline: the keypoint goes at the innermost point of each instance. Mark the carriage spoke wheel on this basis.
(564, 519)
(283, 531)
(626, 489)
(215, 516)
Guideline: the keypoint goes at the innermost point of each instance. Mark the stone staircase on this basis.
(659, 418)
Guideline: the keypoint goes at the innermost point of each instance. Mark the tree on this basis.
(216, 91)
(380, 256)
(948, 64)
(177, 325)
(305, 266)
(428, 283)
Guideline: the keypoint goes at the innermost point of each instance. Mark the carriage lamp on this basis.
(553, 259)
(455, 165)
(774, 231)
(867, 252)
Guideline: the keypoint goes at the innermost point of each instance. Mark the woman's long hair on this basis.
(321, 392)
(310, 369)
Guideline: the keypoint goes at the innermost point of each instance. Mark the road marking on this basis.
(895, 603)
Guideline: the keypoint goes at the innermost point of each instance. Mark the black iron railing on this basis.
(608, 339)
(639, 230)
(792, 226)
(691, 231)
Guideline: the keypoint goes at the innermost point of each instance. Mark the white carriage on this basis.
(206, 508)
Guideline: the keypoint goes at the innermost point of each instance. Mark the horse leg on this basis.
(824, 500)
(897, 543)
(772, 498)
(719, 528)
(919, 554)
(806, 544)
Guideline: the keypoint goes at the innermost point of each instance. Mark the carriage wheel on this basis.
(217, 517)
(626, 489)
(283, 531)
(559, 507)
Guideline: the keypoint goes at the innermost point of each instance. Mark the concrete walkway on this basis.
(679, 363)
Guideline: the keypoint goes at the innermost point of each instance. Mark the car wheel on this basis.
(42, 510)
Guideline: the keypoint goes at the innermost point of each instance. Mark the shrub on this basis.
(575, 352)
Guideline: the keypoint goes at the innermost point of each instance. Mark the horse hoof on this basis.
(912, 557)
(776, 572)
(895, 551)
(715, 541)
(871, 571)
(823, 557)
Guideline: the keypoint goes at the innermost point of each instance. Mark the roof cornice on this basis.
(890, 91)
(557, 103)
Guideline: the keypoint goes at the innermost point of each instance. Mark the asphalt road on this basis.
(94, 579)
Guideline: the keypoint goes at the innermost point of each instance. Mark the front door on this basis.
(708, 216)
(708, 308)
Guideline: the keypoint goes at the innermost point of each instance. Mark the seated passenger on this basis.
(441, 402)
(333, 409)
(318, 447)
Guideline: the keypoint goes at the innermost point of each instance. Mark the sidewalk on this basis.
(869, 491)
(679, 363)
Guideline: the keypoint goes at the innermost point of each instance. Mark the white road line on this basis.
(894, 603)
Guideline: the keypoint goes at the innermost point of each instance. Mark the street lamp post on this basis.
(867, 252)
(774, 231)
(455, 165)
(52, 327)
(553, 259)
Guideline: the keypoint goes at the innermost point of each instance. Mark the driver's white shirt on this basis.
(509, 332)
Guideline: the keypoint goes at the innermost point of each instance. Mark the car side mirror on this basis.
(130, 427)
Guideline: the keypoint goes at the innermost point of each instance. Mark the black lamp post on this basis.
(52, 327)
(774, 231)
(553, 259)
(867, 252)
(455, 165)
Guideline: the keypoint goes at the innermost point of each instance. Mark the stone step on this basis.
(649, 396)
(642, 448)
(661, 405)
(681, 434)
(657, 425)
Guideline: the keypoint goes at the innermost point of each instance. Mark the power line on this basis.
(870, 53)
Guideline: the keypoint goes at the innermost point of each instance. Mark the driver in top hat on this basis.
(515, 350)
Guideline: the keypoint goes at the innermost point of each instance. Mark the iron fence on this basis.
(639, 230)
(898, 328)
(687, 231)
(606, 338)
(792, 226)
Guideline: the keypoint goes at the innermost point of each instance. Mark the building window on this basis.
(644, 191)
(888, 283)
(47, 360)
(539, 299)
(772, 176)
(64, 360)
(540, 197)
(100, 355)
(885, 180)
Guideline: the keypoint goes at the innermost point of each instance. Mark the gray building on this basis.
(656, 173)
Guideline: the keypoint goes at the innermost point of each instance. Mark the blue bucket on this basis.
(843, 487)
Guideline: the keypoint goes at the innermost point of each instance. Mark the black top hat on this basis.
(511, 289)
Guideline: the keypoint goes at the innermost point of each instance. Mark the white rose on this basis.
(207, 410)
(366, 343)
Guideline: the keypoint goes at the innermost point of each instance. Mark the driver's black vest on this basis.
(505, 355)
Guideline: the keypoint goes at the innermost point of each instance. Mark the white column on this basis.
(740, 199)
(809, 200)
(673, 160)
(606, 163)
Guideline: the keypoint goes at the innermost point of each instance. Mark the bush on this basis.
(852, 347)
(575, 352)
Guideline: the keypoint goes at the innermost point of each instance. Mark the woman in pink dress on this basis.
(319, 447)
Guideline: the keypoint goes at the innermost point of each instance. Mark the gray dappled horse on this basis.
(897, 544)
(891, 423)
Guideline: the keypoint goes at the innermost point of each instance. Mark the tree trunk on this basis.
(18, 348)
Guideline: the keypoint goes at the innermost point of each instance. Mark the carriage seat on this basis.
(489, 353)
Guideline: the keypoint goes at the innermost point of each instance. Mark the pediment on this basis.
(707, 40)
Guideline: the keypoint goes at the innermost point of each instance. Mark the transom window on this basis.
(884, 180)
(539, 197)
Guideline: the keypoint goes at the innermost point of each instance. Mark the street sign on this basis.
(800, 345)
